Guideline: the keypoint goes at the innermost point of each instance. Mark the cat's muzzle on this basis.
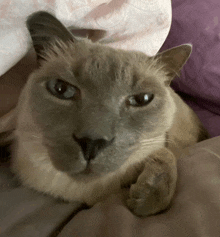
(90, 147)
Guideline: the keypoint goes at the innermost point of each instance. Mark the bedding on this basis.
(198, 22)
(123, 21)
(195, 210)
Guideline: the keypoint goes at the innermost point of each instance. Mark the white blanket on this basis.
(130, 24)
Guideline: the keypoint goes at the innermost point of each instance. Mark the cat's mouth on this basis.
(90, 171)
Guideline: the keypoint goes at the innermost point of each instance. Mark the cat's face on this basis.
(97, 107)
(114, 98)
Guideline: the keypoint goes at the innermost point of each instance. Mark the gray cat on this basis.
(92, 120)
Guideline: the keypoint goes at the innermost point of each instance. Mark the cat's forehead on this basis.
(96, 63)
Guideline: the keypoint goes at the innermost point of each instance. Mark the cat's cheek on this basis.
(67, 162)
(68, 167)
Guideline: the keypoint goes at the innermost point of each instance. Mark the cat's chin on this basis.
(89, 172)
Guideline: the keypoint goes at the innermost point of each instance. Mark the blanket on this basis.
(128, 24)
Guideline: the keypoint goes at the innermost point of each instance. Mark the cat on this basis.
(92, 120)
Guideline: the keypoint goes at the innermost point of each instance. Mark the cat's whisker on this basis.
(35, 136)
(157, 139)
(151, 143)
(144, 142)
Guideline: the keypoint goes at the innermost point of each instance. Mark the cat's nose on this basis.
(90, 147)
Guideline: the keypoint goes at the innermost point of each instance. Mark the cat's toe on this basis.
(140, 201)
(138, 207)
(145, 199)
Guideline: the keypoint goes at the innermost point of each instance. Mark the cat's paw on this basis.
(150, 195)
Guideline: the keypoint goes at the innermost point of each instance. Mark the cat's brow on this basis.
(144, 83)
(134, 82)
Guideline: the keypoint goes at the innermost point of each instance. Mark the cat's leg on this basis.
(155, 186)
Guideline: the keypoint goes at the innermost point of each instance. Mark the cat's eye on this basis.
(62, 89)
(139, 100)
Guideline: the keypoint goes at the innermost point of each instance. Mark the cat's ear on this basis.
(44, 28)
(174, 60)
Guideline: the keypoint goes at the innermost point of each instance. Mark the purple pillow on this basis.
(198, 22)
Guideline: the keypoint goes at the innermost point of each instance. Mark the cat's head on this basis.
(97, 107)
